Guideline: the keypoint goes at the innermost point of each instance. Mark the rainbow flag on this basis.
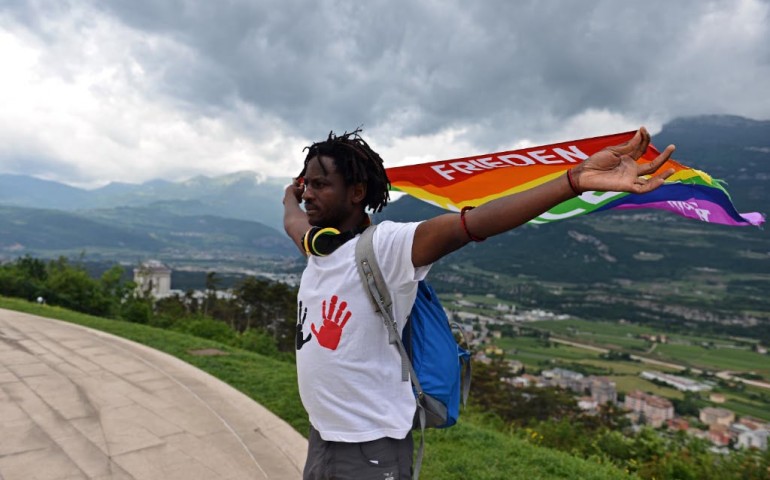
(472, 181)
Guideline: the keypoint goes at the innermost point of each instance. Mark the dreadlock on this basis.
(357, 163)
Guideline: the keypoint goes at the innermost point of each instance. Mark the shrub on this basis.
(136, 310)
(258, 341)
(205, 327)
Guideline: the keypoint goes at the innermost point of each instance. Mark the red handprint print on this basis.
(329, 334)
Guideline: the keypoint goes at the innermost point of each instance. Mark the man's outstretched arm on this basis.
(612, 169)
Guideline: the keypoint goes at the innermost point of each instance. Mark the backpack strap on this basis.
(465, 361)
(374, 283)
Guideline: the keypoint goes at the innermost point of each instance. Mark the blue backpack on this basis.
(437, 366)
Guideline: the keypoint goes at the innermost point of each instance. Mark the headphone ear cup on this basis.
(322, 241)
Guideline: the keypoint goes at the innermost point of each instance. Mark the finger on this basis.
(323, 308)
(631, 146)
(653, 166)
(332, 306)
(345, 320)
(653, 182)
(641, 146)
(342, 308)
(312, 328)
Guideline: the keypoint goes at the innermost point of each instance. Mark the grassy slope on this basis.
(468, 450)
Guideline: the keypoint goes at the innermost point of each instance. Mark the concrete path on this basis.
(76, 403)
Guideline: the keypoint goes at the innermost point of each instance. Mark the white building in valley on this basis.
(153, 278)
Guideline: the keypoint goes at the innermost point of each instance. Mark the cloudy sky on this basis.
(130, 90)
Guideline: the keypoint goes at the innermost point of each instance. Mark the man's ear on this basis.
(359, 192)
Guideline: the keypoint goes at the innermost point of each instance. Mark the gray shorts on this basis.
(381, 459)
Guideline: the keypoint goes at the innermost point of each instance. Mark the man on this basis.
(360, 410)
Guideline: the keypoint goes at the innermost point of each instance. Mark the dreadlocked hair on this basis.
(357, 163)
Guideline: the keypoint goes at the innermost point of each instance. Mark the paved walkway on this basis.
(76, 403)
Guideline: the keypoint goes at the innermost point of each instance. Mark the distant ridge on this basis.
(128, 233)
(241, 195)
(709, 130)
(26, 191)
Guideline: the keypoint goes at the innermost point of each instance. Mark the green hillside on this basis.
(32, 230)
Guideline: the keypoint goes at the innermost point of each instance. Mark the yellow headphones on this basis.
(317, 241)
(323, 241)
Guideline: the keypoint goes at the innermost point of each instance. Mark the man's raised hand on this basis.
(615, 169)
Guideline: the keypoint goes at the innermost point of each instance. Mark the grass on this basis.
(744, 408)
(716, 358)
(533, 348)
(629, 383)
(584, 326)
(471, 449)
(618, 367)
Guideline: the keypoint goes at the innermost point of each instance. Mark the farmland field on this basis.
(716, 358)
(708, 353)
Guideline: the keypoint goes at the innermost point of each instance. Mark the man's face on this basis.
(328, 201)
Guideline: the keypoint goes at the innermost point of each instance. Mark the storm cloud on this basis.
(136, 89)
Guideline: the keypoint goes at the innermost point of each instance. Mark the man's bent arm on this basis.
(295, 221)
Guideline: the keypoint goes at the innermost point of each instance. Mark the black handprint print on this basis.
(301, 316)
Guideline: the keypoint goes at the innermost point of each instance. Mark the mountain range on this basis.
(241, 195)
(199, 218)
(236, 219)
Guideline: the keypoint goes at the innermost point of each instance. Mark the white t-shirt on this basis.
(349, 375)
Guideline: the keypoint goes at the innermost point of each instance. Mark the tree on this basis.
(73, 288)
(252, 294)
(687, 406)
(32, 268)
(115, 289)
(488, 392)
(212, 284)
(533, 404)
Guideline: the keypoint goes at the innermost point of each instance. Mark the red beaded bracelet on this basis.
(465, 226)
(572, 182)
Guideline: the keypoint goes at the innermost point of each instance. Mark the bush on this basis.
(136, 310)
(258, 341)
(205, 327)
(163, 321)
